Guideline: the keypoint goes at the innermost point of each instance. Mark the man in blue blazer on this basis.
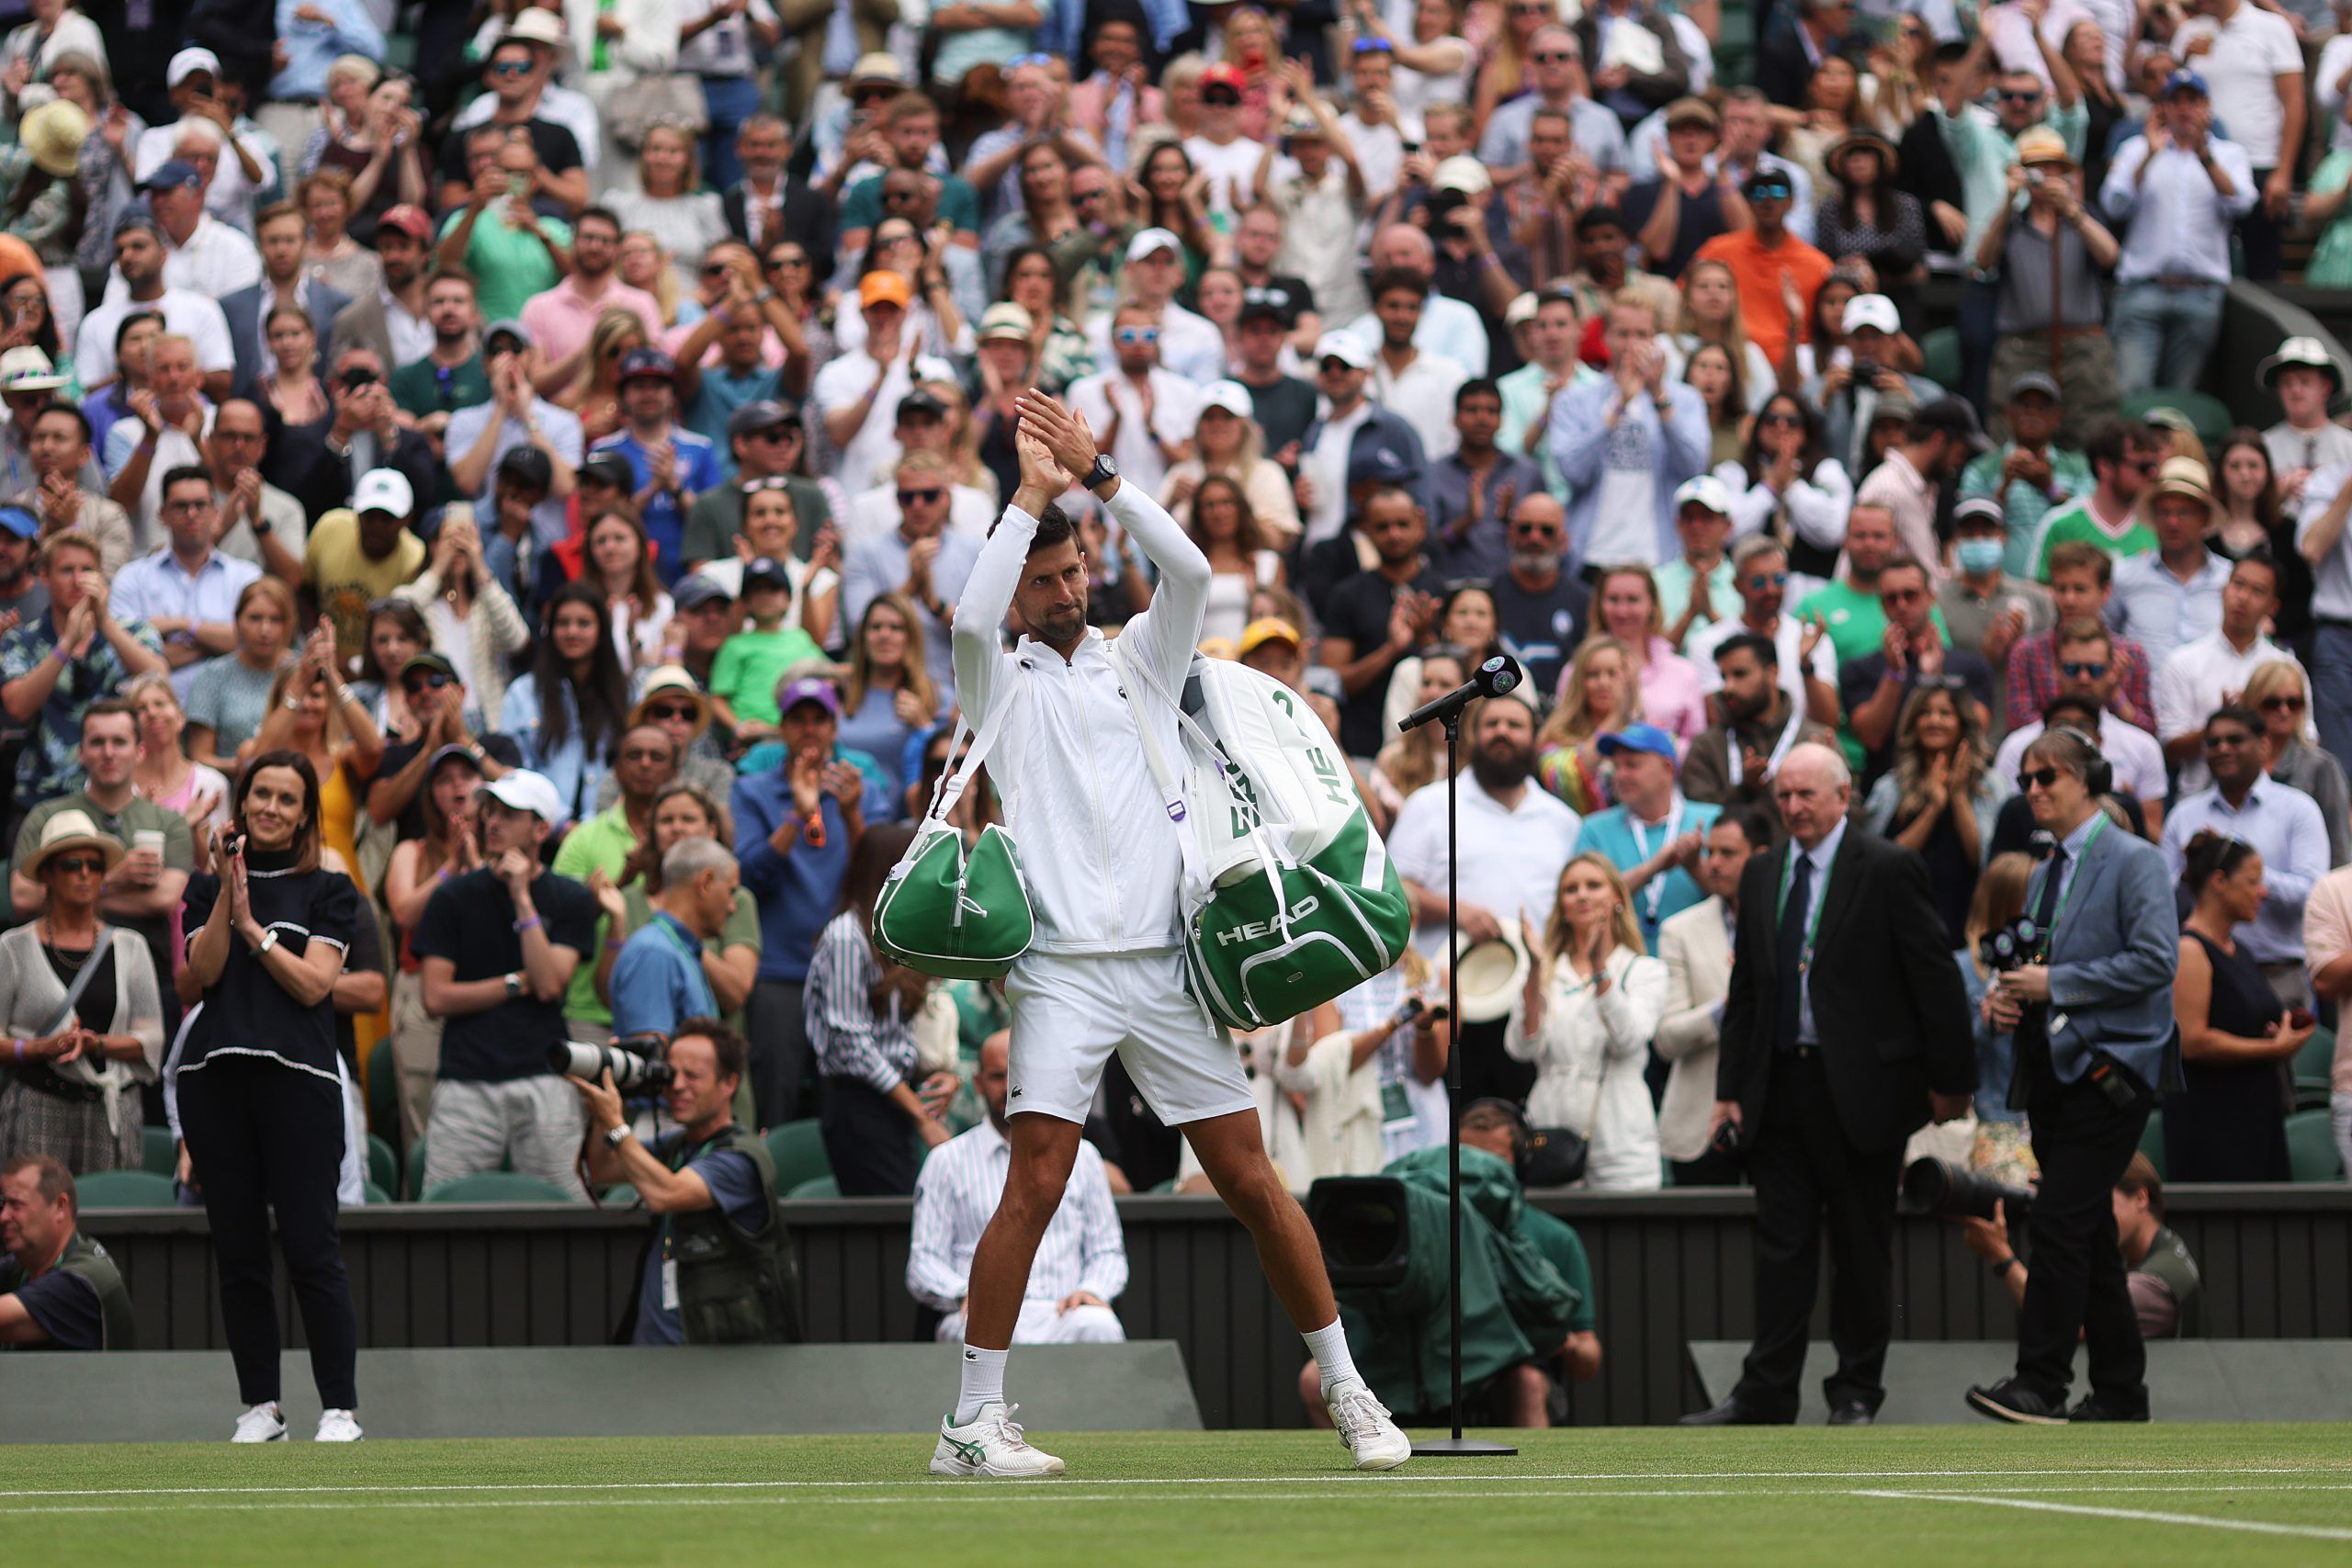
(2095, 1044)
(279, 237)
(1652, 835)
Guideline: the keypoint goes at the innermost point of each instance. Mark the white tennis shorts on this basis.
(1070, 1014)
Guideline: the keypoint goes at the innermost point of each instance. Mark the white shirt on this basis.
(2335, 60)
(957, 1194)
(1448, 327)
(2137, 756)
(1230, 168)
(191, 316)
(1422, 396)
(1110, 394)
(2327, 447)
(216, 262)
(1588, 1056)
(1190, 344)
(1510, 858)
(2331, 578)
(2197, 677)
(2180, 224)
(410, 335)
(1326, 464)
(841, 383)
(1788, 642)
(2250, 52)
(230, 196)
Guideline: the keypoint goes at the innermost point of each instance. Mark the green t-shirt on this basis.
(509, 264)
(2073, 524)
(139, 814)
(751, 663)
(1856, 624)
(603, 843)
(2170, 1262)
(422, 388)
(1564, 1250)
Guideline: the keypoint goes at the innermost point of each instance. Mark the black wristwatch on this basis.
(1103, 471)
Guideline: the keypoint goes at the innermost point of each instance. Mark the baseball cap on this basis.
(1380, 464)
(759, 414)
(428, 661)
(19, 521)
(918, 404)
(523, 790)
(2185, 81)
(1952, 416)
(642, 362)
(1149, 241)
(1266, 629)
(1691, 111)
(1872, 311)
(2034, 381)
(529, 467)
(506, 327)
(1522, 308)
(384, 490)
(806, 689)
(883, 288)
(1638, 738)
(187, 63)
(1224, 76)
(1346, 347)
(1230, 396)
(1267, 304)
(173, 174)
(452, 754)
(1704, 490)
(1006, 320)
(411, 221)
(764, 570)
(877, 66)
(1979, 511)
(695, 589)
(1462, 173)
(609, 467)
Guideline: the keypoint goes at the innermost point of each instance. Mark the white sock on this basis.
(984, 1382)
(1329, 1346)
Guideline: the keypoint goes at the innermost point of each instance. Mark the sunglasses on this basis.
(80, 865)
(1551, 57)
(429, 680)
(666, 713)
(716, 269)
(1534, 531)
(1221, 98)
(2092, 671)
(1139, 334)
(2227, 740)
(773, 433)
(873, 94)
(2011, 97)
(511, 68)
(1782, 417)
(926, 495)
(1761, 581)
(1373, 45)
(2282, 705)
(2031, 778)
(1902, 596)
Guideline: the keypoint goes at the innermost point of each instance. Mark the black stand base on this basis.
(1461, 1448)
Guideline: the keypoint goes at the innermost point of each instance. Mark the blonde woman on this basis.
(2002, 1149)
(1227, 440)
(2278, 692)
(643, 263)
(889, 698)
(418, 868)
(1593, 1000)
(474, 624)
(1598, 694)
(1711, 313)
(595, 391)
(164, 775)
(669, 202)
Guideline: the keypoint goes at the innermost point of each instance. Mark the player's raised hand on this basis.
(1065, 433)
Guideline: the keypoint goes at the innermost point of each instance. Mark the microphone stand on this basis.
(1457, 1446)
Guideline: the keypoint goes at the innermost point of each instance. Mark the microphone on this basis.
(1492, 679)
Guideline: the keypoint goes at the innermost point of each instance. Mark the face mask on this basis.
(1978, 557)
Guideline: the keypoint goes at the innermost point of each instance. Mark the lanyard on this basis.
(1812, 925)
(692, 955)
(1655, 892)
(2066, 890)
(1779, 748)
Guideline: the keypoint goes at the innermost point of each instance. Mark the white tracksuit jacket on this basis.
(1101, 856)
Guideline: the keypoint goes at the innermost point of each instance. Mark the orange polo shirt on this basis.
(1758, 270)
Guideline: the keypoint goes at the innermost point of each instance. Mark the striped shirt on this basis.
(850, 1039)
(957, 1194)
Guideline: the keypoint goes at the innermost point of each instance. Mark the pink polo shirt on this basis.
(560, 320)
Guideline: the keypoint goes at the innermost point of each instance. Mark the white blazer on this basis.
(1589, 1058)
(1697, 956)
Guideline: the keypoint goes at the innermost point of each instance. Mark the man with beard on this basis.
(451, 376)
(1380, 614)
(1539, 609)
(1476, 484)
(560, 319)
(139, 257)
(1732, 765)
(259, 522)
(1515, 838)
(395, 325)
(1849, 607)
(1916, 652)
(1759, 574)
(61, 495)
(281, 231)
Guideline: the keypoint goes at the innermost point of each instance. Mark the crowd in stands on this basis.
(568, 427)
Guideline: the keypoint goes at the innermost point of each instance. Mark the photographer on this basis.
(718, 1269)
(2166, 1284)
(260, 1101)
(2094, 1040)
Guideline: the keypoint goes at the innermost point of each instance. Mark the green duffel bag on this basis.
(959, 914)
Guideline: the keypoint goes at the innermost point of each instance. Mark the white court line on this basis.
(2138, 1516)
(1421, 1477)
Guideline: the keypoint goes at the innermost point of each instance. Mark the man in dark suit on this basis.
(767, 204)
(1794, 45)
(2096, 1043)
(278, 234)
(1847, 1028)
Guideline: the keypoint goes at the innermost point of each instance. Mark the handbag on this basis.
(104, 1079)
(944, 910)
(1556, 1157)
(659, 97)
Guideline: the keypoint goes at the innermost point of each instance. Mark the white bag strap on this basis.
(951, 781)
(1170, 783)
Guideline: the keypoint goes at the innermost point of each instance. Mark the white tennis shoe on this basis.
(1363, 1424)
(262, 1424)
(338, 1426)
(990, 1444)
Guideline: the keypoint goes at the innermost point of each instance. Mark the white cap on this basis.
(187, 63)
(523, 790)
(1344, 346)
(384, 490)
(1705, 490)
(1151, 240)
(1873, 310)
(1462, 173)
(1231, 396)
(536, 26)
(1522, 308)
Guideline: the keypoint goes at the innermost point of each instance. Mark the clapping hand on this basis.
(609, 898)
(1062, 431)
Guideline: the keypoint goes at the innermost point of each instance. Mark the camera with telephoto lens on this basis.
(2008, 947)
(1944, 1190)
(635, 1062)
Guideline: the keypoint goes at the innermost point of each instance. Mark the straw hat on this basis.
(52, 135)
(1489, 976)
(1834, 159)
(72, 831)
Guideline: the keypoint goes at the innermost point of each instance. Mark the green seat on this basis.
(383, 1166)
(2311, 1154)
(384, 1092)
(123, 1190)
(414, 1185)
(2152, 1143)
(798, 1150)
(817, 1187)
(1940, 348)
(498, 1187)
(2314, 1064)
(159, 1152)
(2209, 414)
(372, 1194)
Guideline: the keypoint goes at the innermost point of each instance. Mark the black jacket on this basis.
(1888, 1004)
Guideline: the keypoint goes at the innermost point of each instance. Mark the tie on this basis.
(2045, 915)
(1791, 948)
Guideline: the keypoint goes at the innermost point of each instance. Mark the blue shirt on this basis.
(1628, 843)
(721, 393)
(734, 1184)
(158, 584)
(796, 892)
(2160, 612)
(665, 519)
(567, 766)
(311, 47)
(658, 979)
(2286, 826)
